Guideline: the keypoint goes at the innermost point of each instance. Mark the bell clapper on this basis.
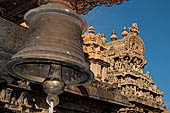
(53, 86)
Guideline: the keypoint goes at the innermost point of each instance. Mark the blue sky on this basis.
(153, 19)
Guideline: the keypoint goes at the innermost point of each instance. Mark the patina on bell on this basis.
(53, 38)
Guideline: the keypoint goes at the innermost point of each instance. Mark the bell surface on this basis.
(53, 37)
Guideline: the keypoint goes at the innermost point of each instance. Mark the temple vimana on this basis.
(118, 67)
(119, 85)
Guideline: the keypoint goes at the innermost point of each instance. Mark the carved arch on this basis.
(135, 45)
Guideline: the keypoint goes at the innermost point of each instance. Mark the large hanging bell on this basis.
(53, 38)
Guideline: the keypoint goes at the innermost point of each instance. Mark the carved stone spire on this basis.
(103, 38)
(91, 29)
(134, 28)
(124, 33)
(113, 37)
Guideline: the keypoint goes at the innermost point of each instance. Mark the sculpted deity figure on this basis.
(134, 28)
(117, 65)
(134, 46)
(112, 63)
(141, 93)
(155, 87)
(151, 97)
(150, 79)
(122, 81)
(98, 50)
(157, 99)
(147, 74)
(103, 38)
(160, 100)
(123, 91)
(128, 80)
(147, 95)
(98, 40)
(116, 80)
(137, 65)
(126, 62)
(110, 69)
(127, 92)
(134, 66)
(133, 90)
(112, 79)
(137, 93)
(91, 49)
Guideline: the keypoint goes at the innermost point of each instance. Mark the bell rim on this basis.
(12, 63)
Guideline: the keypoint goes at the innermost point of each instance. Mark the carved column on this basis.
(104, 73)
(99, 71)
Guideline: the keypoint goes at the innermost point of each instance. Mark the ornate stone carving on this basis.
(134, 28)
(124, 33)
(113, 37)
(126, 63)
(136, 45)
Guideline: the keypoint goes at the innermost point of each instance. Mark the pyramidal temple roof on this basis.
(122, 62)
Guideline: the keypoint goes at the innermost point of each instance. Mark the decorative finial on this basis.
(103, 38)
(134, 28)
(113, 37)
(91, 29)
(124, 33)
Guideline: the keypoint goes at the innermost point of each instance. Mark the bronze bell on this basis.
(53, 42)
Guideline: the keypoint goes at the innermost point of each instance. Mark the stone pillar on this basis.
(93, 68)
(98, 69)
(104, 73)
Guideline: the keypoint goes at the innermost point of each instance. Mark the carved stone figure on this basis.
(147, 74)
(134, 28)
(103, 38)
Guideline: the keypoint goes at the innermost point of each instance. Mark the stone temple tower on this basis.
(120, 64)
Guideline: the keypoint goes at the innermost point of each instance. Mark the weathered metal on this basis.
(54, 37)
